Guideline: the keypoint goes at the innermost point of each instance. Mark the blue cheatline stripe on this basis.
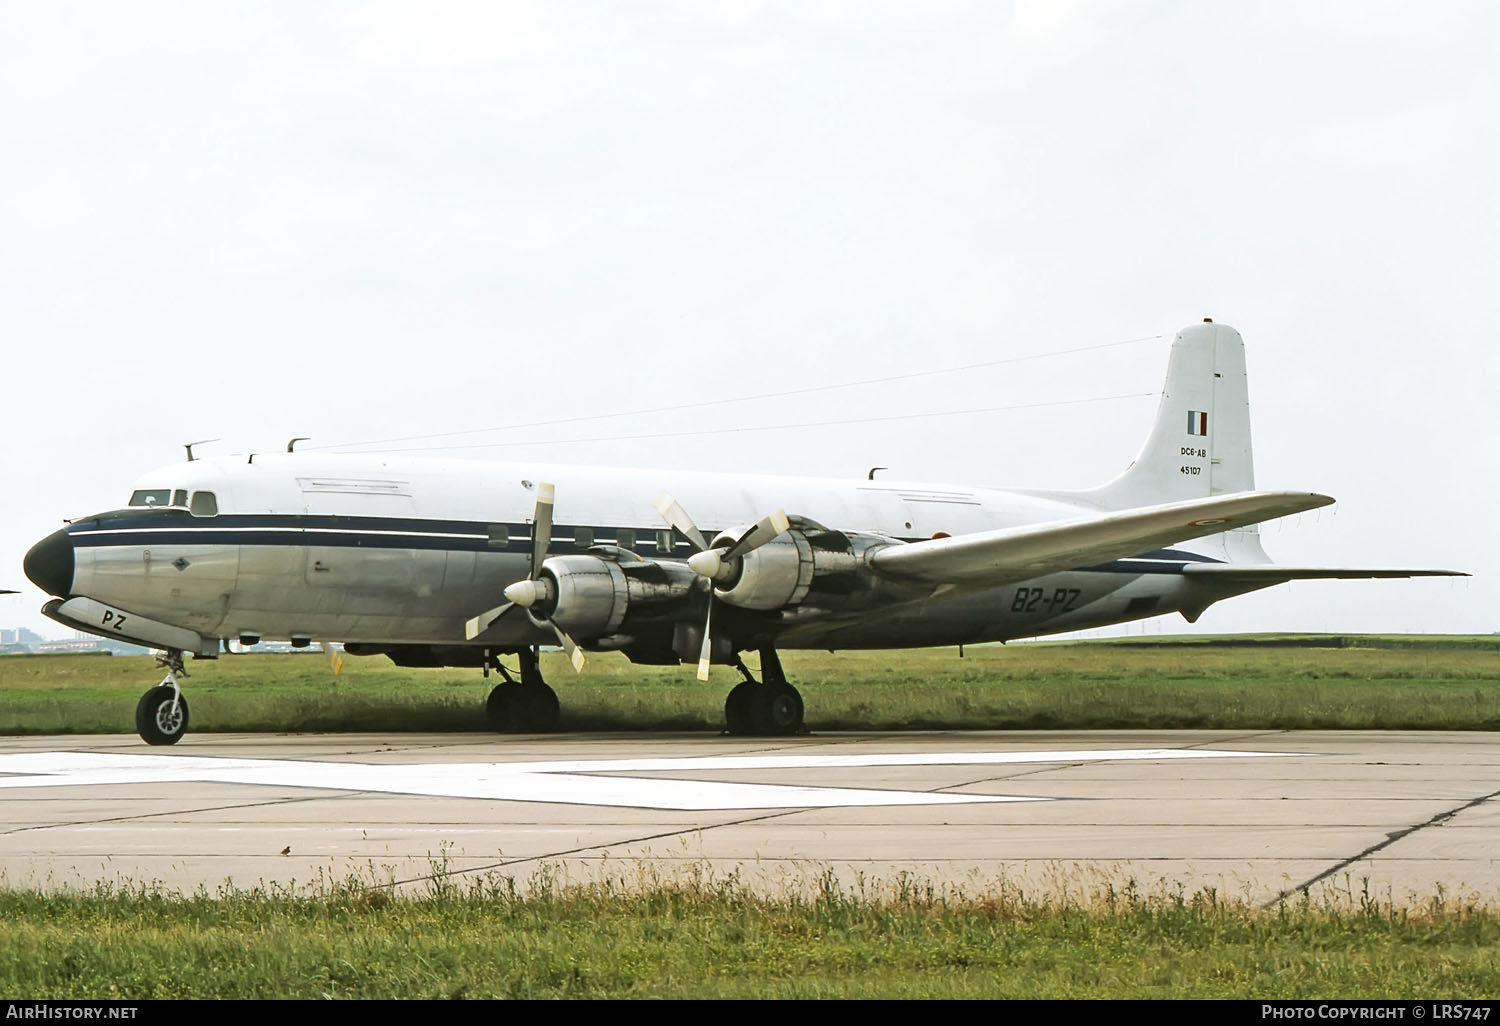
(174, 527)
(519, 539)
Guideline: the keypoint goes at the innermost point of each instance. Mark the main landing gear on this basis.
(527, 706)
(161, 716)
(767, 707)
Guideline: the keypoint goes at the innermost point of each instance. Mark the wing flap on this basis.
(1021, 553)
(1271, 573)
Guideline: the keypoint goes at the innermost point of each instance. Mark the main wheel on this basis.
(500, 708)
(538, 708)
(776, 709)
(158, 719)
(737, 705)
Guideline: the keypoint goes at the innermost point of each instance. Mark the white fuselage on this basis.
(386, 551)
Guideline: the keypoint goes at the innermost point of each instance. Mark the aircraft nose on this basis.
(49, 564)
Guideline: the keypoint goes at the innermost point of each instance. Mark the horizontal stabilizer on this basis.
(1270, 573)
(1020, 553)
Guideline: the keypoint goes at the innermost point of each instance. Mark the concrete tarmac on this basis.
(1255, 814)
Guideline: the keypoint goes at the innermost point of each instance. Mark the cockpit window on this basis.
(179, 497)
(204, 505)
(151, 497)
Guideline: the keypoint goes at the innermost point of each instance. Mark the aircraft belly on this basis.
(385, 594)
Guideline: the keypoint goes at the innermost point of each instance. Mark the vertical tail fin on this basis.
(1200, 443)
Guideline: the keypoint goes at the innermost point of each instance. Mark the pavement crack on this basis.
(1003, 777)
(1390, 839)
(1236, 740)
(507, 863)
(167, 812)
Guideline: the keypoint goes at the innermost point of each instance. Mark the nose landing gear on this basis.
(161, 716)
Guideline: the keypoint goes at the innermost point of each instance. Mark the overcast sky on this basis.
(368, 220)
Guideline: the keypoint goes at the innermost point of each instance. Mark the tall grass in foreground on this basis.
(494, 938)
(1414, 683)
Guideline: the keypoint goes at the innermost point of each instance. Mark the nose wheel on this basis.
(161, 716)
(768, 708)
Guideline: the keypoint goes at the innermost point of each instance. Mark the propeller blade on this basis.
(541, 526)
(760, 533)
(711, 562)
(334, 656)
(575, 654)
(673, 513)
(526, 590)
(481, 623)
(707, 653)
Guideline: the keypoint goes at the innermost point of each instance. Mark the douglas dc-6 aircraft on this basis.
(410, 558)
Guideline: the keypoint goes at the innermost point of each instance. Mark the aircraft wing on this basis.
(1271, 573)
(989, 558)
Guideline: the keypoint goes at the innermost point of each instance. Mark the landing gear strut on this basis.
(770, 707)
(161, 716)
(527, 706)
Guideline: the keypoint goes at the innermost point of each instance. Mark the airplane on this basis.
(440, 562)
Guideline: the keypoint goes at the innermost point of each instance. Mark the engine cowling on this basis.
(591, 596)
(808, 563)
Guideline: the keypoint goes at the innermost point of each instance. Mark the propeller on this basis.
(717, 564)
(526, 592)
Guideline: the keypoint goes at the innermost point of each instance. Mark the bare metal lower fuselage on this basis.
(387, 594)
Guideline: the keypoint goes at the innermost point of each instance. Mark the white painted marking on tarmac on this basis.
(568, 782)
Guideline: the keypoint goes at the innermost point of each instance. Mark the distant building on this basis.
(90, 644)
(71, 645)
(19, 639)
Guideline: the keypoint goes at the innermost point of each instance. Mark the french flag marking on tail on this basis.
(1197, 422)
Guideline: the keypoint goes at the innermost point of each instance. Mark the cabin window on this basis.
(664, 544)
(625, 538)
(179, 497)
(204, 504)
(151, 497)
(583, 537)
(499, 536)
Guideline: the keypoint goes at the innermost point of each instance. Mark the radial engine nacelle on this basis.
(590, 596)
(807, 563)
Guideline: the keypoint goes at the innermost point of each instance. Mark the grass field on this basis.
(1285, 681)
(539, 938)
(492, 939)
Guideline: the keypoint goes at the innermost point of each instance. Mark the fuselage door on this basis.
(361, 538)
